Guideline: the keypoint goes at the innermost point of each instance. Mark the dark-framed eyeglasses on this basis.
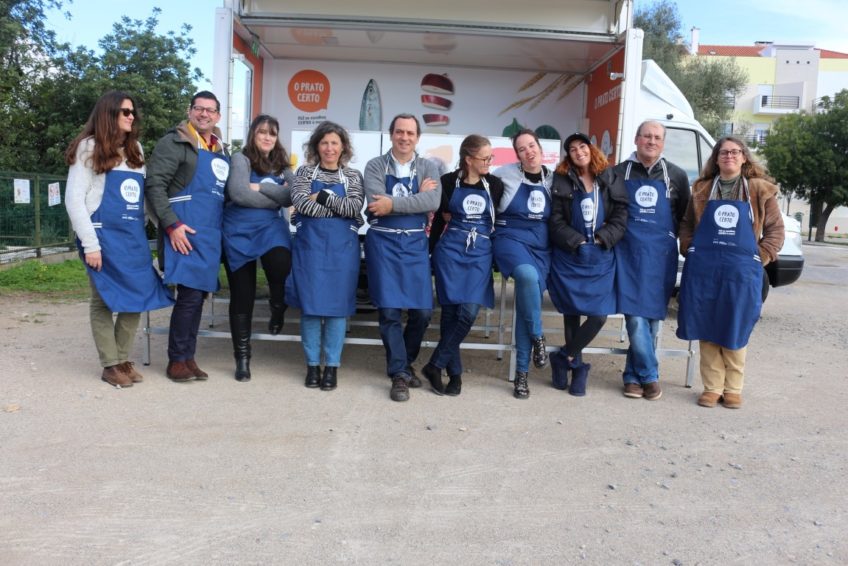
(127, 112)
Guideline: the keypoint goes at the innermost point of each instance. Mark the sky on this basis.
(722, 22)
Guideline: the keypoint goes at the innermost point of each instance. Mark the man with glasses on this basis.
(646, 258)
(186, 175)
(402, 188)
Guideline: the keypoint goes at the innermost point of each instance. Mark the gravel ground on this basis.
(269, 472)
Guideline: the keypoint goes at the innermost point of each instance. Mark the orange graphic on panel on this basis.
(309, 90)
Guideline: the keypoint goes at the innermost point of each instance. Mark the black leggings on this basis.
(276, 263)
(578, 336)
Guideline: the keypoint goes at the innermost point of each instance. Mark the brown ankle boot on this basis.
(179, 372)
(130, 371)
(199, 374)
(114, 376)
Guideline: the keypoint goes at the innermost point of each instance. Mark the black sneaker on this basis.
(414, 381)
(400, 389)
(540, 354)
(434, 376)
(522, 390)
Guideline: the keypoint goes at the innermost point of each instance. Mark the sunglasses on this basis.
(127, 112)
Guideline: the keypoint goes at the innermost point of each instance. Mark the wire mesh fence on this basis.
(33, 221)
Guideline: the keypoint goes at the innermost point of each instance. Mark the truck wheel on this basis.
(765, 291)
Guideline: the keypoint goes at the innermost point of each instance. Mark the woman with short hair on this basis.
(328, 197)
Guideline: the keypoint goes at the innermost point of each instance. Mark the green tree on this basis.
(153, 67)
(707, 83)
(808, 155)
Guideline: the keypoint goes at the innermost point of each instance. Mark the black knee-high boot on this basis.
(240, 331)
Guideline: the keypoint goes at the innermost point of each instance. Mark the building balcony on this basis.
(768, 104)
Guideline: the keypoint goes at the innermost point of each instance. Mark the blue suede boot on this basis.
(579, 377)
(559, 369)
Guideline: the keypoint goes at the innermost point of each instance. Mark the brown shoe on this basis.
(708, 399)
(129, 370)
(652, 391)
(199, 374)
(114, 376)
(179, 372)
(731, 400)
(633, 390)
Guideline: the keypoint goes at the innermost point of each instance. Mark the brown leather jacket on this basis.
(768, 221)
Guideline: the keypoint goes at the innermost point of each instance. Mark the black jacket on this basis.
(677, 178)
(614, 196)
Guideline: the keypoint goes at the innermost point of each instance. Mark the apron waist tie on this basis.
(180, 198)
(405, 232)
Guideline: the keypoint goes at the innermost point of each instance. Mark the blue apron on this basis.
(249, 233)
(127, 281)
(583, 282)
(522, 231)
(200, 205)
(646, 258)
(325, 261)
(397, 254)
(462, 259)
(721, 290)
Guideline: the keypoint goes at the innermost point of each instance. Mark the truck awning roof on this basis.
(567, 37)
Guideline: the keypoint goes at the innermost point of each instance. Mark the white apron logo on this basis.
(221, 169)
(268, 180)
(726, 216)
(587, 207)
(474, 205)
(401, 190)
(646, 196)
(536, 202)
(130, 190)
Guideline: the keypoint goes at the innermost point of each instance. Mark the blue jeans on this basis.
(323, 334)
(402, 344)
(528, 313)
(454, 326)
(641, 366)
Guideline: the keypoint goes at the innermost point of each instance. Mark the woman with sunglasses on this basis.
(104, 198)
(731, 229)
(462, 256)
(522, 250)
(328, 197)
(255, 228)
(589, 217)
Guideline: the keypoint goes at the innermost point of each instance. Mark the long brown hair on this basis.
(102, 124)
(277, 160)
(751, 169)
(597, 161)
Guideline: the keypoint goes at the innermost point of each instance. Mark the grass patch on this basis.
(59, 280)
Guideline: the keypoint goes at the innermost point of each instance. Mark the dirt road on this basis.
(269, 472)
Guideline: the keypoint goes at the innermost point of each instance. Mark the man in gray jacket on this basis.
(401, 189)
(186, 175)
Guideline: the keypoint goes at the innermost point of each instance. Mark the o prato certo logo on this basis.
(646, 196)
(536, 202)
(473, 204)
(726, 216)
(221, 169)
(131, 190)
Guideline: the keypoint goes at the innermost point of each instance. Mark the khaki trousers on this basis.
(113, 338)
(722, 369)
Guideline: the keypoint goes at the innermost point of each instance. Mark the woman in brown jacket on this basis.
(731, 229)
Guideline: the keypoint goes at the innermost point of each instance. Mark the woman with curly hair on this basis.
(588, 217)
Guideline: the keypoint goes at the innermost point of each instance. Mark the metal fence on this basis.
(33, 221)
